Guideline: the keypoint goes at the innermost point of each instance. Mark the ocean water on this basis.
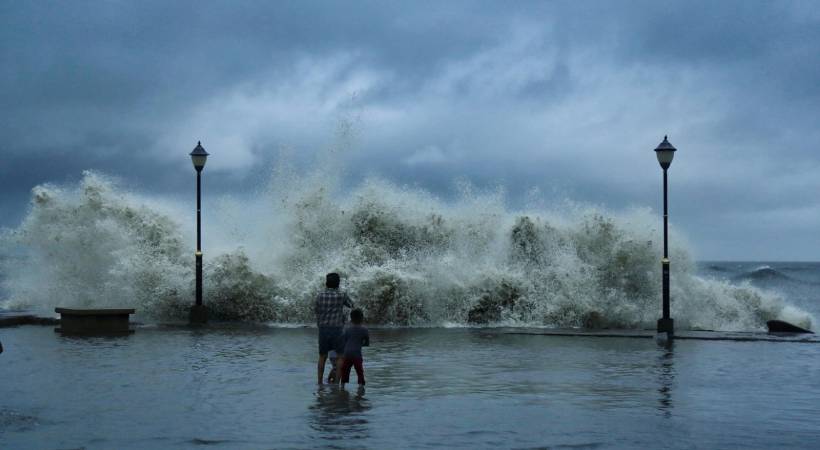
(253, 387)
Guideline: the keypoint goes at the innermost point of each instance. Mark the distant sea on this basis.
(797, 282)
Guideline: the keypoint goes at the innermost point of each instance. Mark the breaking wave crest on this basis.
(406, 258)
(763, 273)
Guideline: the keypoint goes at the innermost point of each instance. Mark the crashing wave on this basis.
(407, 259)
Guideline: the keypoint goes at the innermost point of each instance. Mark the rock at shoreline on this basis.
(779, 326)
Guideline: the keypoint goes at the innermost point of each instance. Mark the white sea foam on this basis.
(406, 257)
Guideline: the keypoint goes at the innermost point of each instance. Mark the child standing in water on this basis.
(354, 338)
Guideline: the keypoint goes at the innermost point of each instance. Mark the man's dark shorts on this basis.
(329, 339)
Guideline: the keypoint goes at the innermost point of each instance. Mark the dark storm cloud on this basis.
(570, 97)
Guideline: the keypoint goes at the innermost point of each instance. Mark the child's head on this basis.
(356, 316)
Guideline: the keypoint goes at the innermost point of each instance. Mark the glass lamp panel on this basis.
(665, 156)
(199, 160)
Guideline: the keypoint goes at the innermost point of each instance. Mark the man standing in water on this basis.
(330, 318)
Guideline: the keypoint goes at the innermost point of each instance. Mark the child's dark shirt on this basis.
(354, 337)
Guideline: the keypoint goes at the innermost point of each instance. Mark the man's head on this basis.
(356, 316)
(332, 280)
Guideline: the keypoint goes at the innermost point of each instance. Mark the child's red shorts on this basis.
(352, 362)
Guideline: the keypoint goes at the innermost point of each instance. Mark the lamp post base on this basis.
(198, 315)
(666, 326)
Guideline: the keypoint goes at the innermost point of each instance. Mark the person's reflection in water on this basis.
(666, 377)
(339, 413)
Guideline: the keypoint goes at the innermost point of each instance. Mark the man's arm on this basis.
(366, 338)
(348, 302)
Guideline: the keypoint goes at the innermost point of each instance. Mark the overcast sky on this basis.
(569, 97)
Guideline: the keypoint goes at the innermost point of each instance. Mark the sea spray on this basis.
(406, 257)
(94, 246)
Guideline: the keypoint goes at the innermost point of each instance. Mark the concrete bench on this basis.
(94, 321)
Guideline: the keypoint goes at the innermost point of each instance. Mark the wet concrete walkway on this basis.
(706, 335)
(17, 318)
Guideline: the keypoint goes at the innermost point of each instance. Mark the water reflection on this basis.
(665, 370)
(78, 345)
(340, 413)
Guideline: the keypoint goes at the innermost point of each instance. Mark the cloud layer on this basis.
(567, 98)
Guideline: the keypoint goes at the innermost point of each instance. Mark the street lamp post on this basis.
(199, 313)
(665, 152)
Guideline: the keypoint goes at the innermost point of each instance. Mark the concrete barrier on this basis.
(27, 319)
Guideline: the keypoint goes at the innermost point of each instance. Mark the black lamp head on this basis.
(199, 156)
(665, 152)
